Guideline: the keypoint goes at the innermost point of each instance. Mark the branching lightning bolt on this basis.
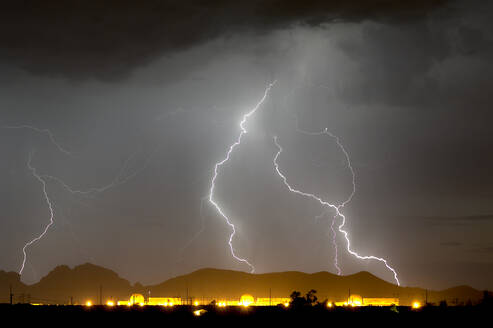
(334, 239)
(221, 163)
(120, 178)
(334, 242)
(337, 208)
(353, 191)
(42, 131)
(50, 206)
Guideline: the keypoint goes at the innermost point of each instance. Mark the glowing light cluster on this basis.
(247, 300)
(200, 312)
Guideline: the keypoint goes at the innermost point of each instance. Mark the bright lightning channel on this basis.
(50, 206)
(221, 163)
(337, 209)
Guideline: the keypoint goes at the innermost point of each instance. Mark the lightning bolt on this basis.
(353, 180)
(326, 204)
(202, 226)
(42, 131)
(218, 165)
(120, 178)
(334, 242)
(50, 206)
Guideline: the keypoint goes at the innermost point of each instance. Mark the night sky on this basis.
(150, 94)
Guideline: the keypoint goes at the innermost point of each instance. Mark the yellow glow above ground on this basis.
(249, 300)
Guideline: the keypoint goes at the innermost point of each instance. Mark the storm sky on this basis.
(155, 90)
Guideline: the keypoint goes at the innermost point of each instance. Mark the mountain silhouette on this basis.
(85, 282)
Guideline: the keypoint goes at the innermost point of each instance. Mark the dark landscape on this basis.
(81, 283)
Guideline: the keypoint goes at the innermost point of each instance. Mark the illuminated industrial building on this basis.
(357, 300)
(267, 301)
(249, 300)
(134, 299)
(164, 301)
(381, 301)
(244, 300)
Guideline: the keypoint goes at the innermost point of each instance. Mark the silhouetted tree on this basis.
(298, 301)
(310, 297)
(487, 298)
(294, 295)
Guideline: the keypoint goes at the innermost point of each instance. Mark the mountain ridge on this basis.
(82, 282)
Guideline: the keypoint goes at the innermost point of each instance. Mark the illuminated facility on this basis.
(357, 300)
(248, 300)
(244, 300)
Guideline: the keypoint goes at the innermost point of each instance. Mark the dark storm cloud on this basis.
(107, 39)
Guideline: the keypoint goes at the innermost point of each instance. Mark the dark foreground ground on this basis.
(101, 316)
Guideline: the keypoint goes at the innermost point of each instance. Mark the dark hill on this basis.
(232, 284)
(83, 282)
(7, 280)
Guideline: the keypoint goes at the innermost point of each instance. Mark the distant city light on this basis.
(247, 300)
(88, 303)
(110, 303)
(416, 305)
